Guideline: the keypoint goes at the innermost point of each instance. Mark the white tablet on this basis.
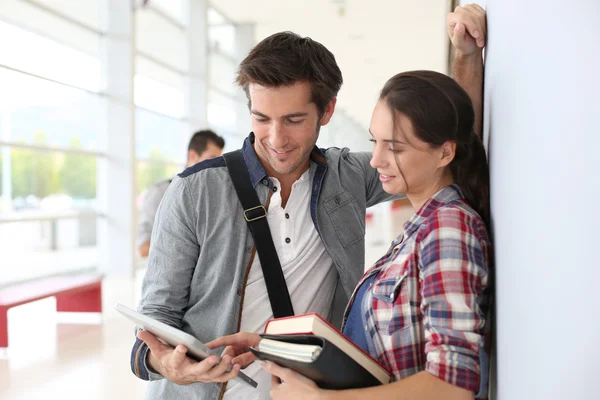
(173, 337)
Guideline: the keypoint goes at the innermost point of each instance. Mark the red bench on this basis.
(74, 293)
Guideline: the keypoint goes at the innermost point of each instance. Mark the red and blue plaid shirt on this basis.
(426, 309)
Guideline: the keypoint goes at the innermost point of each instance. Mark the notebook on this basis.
(311, 346)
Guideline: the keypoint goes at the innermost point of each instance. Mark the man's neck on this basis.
(287, 180)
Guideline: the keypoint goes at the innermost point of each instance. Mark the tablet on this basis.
(173, 337)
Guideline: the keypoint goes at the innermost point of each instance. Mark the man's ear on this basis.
(328, 113)
(448, 153)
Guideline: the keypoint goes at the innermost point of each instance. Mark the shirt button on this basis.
(265, 182)
(274, 188)
(248, 248)
(392, 296)
(287, 216)
(366, 328)
(287, 240)
(337, 200)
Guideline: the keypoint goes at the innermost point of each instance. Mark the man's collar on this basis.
(255, 168)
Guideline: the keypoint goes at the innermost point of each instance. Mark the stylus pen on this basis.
(241, 377)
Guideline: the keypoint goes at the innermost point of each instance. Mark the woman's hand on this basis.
(238, 346)
(289, 385)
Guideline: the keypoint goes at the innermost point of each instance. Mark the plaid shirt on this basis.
(426, 309)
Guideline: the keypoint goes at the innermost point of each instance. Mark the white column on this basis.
(116, 175)
(244, 41)
(6, 161)
(196, 88)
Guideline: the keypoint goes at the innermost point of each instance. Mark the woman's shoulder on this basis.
(454, 218)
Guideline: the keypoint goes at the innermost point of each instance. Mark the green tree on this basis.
(35, 172)
(149, 173)
(78, 173)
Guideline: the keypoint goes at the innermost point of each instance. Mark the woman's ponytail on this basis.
(470, 171)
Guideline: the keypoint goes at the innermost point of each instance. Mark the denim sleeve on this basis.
(139, 362)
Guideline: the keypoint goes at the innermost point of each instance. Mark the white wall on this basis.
(542, 92)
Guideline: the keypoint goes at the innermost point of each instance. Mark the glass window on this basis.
(88, 12)
(221, 33)
(149, 173)
(48, 195)
(5, 201)
(158, 73)
(44, 23)
(33, 249)
(41, 56)
(173, 8)
(161, 40)
(51, 204)
(221, 39)
(160, 138)
(46, 183)
(221, 112)
(159, 97)
(215, 17)
(57, 115)
(221, 74)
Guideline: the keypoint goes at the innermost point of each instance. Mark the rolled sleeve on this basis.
(139, 362)
(454, 277)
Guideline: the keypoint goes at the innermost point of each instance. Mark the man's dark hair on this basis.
(200, 140)
(285, 58)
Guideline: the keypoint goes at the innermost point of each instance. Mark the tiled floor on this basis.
(74, 361)
(91, 361)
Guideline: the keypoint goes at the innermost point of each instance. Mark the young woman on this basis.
(421, 309)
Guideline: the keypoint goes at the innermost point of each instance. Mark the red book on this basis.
(314, 324)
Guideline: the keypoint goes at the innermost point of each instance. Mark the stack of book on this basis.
(311, 346)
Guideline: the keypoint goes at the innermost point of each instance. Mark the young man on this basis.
(203, 145)
(203, 275)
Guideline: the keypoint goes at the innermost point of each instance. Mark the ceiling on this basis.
(371, 40)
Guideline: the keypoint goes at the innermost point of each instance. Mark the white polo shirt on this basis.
(307, 267)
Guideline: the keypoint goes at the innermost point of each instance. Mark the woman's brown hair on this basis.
(440, 111)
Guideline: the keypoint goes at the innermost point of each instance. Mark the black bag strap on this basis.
(256, 217)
